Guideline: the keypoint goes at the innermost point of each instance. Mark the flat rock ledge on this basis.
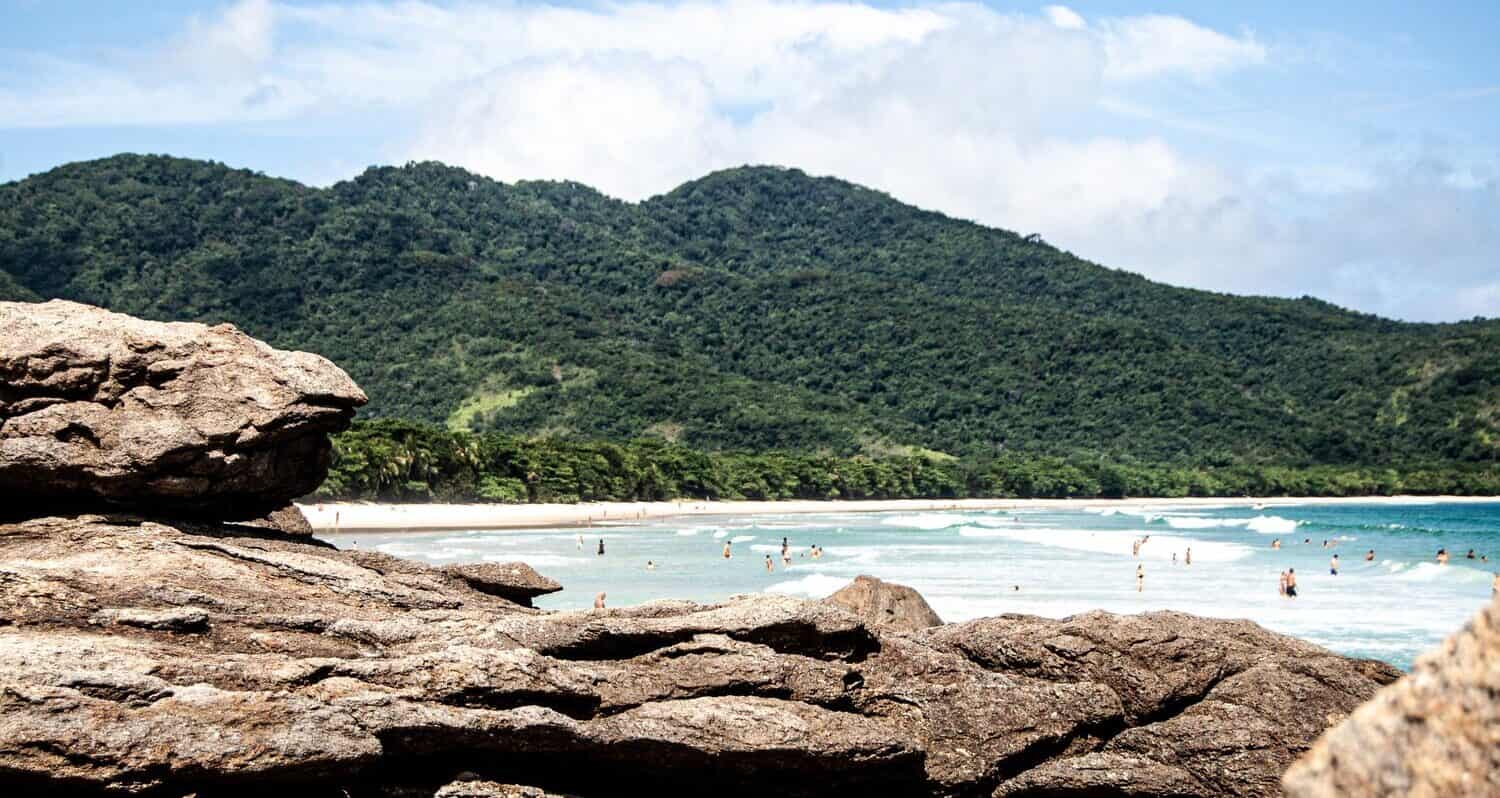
(99, 409)
(148, 658)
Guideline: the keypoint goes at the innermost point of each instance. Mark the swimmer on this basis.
(1333, 566)
(1140, 578)
(1174, 558)
(1325, 543)
(784, 547)
(1470, 555)
(1135, 548)
(1370, 556)
(1291, 583)
(1276, 544)
(1307, 540)
(1442, 556)
(726, 548)
(599, 601)
(1187, 559)
(580, 541)
(1017, 588)
(770, 566)
(601, 547)
(650, 566)
(1281, 585)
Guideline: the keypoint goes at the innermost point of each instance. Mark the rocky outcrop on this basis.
(153, 657)
(224, 651)
(515, 581)
(104, 409)
(1434, 733)
(885, 604)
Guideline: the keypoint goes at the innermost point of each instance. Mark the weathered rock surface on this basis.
(1434, 734)
(515, 581)
(885, 604)
(101, 408)
(147, 657)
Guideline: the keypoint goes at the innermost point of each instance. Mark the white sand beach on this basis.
(360, 516)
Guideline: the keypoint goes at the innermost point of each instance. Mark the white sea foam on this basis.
(1116, 542)
(741, 538)
(722, 533)
(1195, 522)
(924, 521)
(689, 532)
(1272, 525)
(536, 560)
(812, 585)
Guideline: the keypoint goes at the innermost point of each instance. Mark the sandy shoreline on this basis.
(363, 517)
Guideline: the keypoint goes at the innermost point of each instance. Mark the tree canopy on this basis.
(755, 309)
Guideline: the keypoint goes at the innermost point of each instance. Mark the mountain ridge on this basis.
(757, 307)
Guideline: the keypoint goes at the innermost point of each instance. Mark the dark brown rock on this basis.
(1434, 733)
(101, 408)
(885, 604)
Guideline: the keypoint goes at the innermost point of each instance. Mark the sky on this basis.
(1345, 150)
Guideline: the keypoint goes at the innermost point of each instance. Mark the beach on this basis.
(376, 517)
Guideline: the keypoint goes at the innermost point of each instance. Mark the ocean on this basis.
(1044, 562)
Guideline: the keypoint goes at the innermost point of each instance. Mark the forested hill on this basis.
(755, 308)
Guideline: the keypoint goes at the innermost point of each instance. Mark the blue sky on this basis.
(1347, 150)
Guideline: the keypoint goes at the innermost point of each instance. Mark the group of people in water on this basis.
(1287, 582)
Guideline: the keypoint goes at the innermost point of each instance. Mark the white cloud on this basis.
(1042, 122)
(1064, 17)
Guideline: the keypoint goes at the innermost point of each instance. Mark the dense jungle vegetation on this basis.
(754, 310)
(402, 461)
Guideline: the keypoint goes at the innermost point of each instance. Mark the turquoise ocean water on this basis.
(968, 564)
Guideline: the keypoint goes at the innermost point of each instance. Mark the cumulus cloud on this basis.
(1040, 122)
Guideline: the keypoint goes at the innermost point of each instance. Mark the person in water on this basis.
(1135, 548)
(601, 547)
(599, 601)
(1276, 544)
(1187, 558)
(770, 566)
(1281, 585)
(1174, 558)
(1333, 566)
(1370, 556)
(1291, 583)
(784, 546)
(650, 566)
(1140, 578)
(1442, 556)
(727, 544)
(1470, 555)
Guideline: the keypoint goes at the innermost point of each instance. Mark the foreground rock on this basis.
(887, 605)
(98, 407)
(1434, 733)
(167, 658)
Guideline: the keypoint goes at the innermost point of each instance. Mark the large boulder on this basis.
(885, 604)
(1435, 733)
(102, 408)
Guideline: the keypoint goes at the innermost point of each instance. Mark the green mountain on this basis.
(755, 308)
